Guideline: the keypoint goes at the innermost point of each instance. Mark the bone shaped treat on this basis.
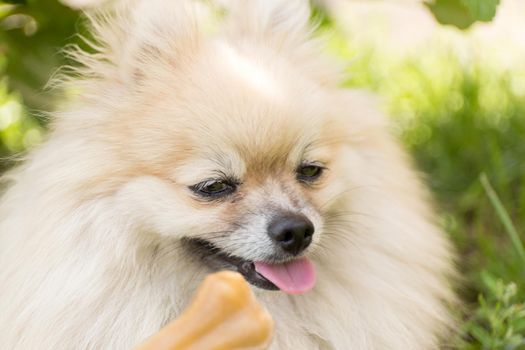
(224, 315)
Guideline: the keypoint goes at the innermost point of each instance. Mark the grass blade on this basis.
(503, 216)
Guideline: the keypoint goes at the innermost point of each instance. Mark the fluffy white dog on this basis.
(197, 144)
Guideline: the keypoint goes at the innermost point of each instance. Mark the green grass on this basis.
(499, 321)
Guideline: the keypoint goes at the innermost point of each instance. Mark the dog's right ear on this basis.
(141, 38)
(286, 27)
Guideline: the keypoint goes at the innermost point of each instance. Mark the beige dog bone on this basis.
(224, 315)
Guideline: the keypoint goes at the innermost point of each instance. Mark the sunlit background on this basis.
(457, 101)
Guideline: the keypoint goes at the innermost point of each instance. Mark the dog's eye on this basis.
(213, 188)
(309, 172)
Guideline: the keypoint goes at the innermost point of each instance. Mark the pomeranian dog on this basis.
(207, 140)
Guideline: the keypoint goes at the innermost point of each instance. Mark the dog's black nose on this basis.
(292, 232)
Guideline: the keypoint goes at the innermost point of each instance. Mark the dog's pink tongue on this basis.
(295, 277)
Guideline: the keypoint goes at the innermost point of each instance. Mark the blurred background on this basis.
(451, 73)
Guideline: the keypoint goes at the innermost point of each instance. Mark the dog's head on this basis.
(234, 138)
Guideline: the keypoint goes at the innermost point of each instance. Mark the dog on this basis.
(203, 139)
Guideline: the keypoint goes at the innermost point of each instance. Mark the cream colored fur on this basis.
(91, 221)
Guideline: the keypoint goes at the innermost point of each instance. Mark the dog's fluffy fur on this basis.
(92, 221)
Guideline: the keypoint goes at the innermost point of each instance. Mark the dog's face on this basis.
(247, 148)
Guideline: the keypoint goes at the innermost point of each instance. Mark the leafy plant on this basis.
(463, 13)
(498, 322)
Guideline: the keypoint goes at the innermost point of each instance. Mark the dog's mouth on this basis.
(293, 277)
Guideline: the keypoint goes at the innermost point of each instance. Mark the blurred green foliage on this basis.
(459, 118)
(32, 33)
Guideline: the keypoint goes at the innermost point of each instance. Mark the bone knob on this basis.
(224, 315)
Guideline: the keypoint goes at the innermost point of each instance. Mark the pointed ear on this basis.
(145, 37)
(281, 22)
